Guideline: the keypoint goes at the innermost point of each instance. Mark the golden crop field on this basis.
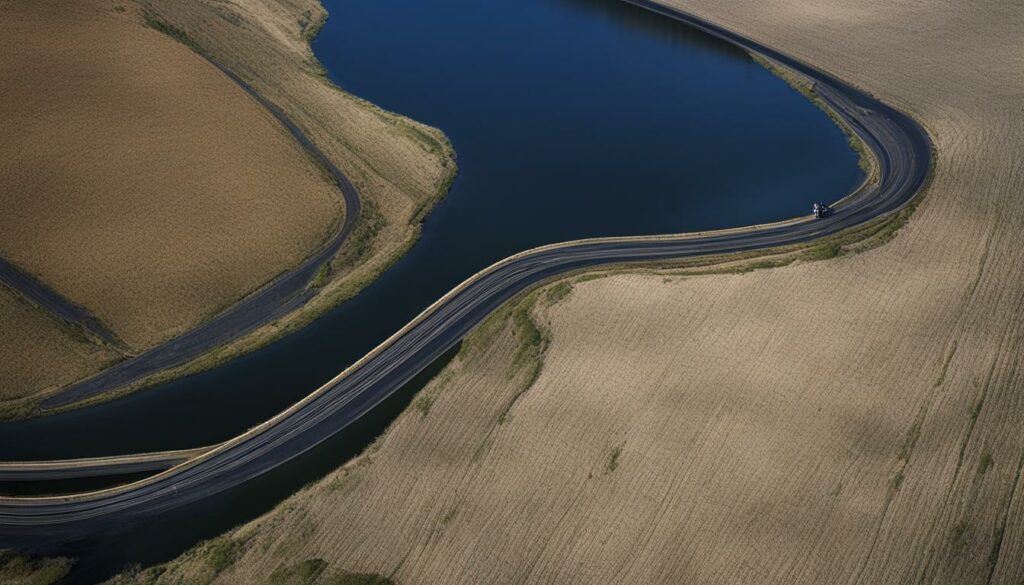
(137, 179)
(855, 420)
(36, 352)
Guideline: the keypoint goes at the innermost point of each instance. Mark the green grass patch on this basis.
(558, 291)
(959, 537)
(533, 339)
(896, 480)
(910, 439)
(220, 553)
(985, 463)
(976, 409)
(310, 25)
(423, 404)
(323, 275)
(154, 22)
(359, 243)
(997, 546)
(28, 570)
(301, 573)
(752, 266)
(945, 365)
(613, 460)
(346, 578)
(824, 251)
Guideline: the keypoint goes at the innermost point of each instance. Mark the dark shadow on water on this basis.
(645, 22)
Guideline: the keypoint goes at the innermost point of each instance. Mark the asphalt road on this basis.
(904, 154)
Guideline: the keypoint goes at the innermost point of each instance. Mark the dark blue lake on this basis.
(571, 119)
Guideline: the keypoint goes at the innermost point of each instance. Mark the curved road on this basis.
(903, 153)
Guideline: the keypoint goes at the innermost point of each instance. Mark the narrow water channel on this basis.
(571, 118)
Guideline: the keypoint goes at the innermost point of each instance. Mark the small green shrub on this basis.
(346, 578)
(221, 553)
(985, 463)
(302, 573)
(558, 292)
(613, 461)
(322, 276)
(824, 251)
(959, 537)
(153, 22)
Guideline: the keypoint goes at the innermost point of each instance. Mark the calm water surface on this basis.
(571, 118)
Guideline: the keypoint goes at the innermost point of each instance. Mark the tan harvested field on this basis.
(36, 352)
(849, 421)
(137, 179)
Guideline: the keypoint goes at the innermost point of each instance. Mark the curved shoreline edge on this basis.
(902, 149)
